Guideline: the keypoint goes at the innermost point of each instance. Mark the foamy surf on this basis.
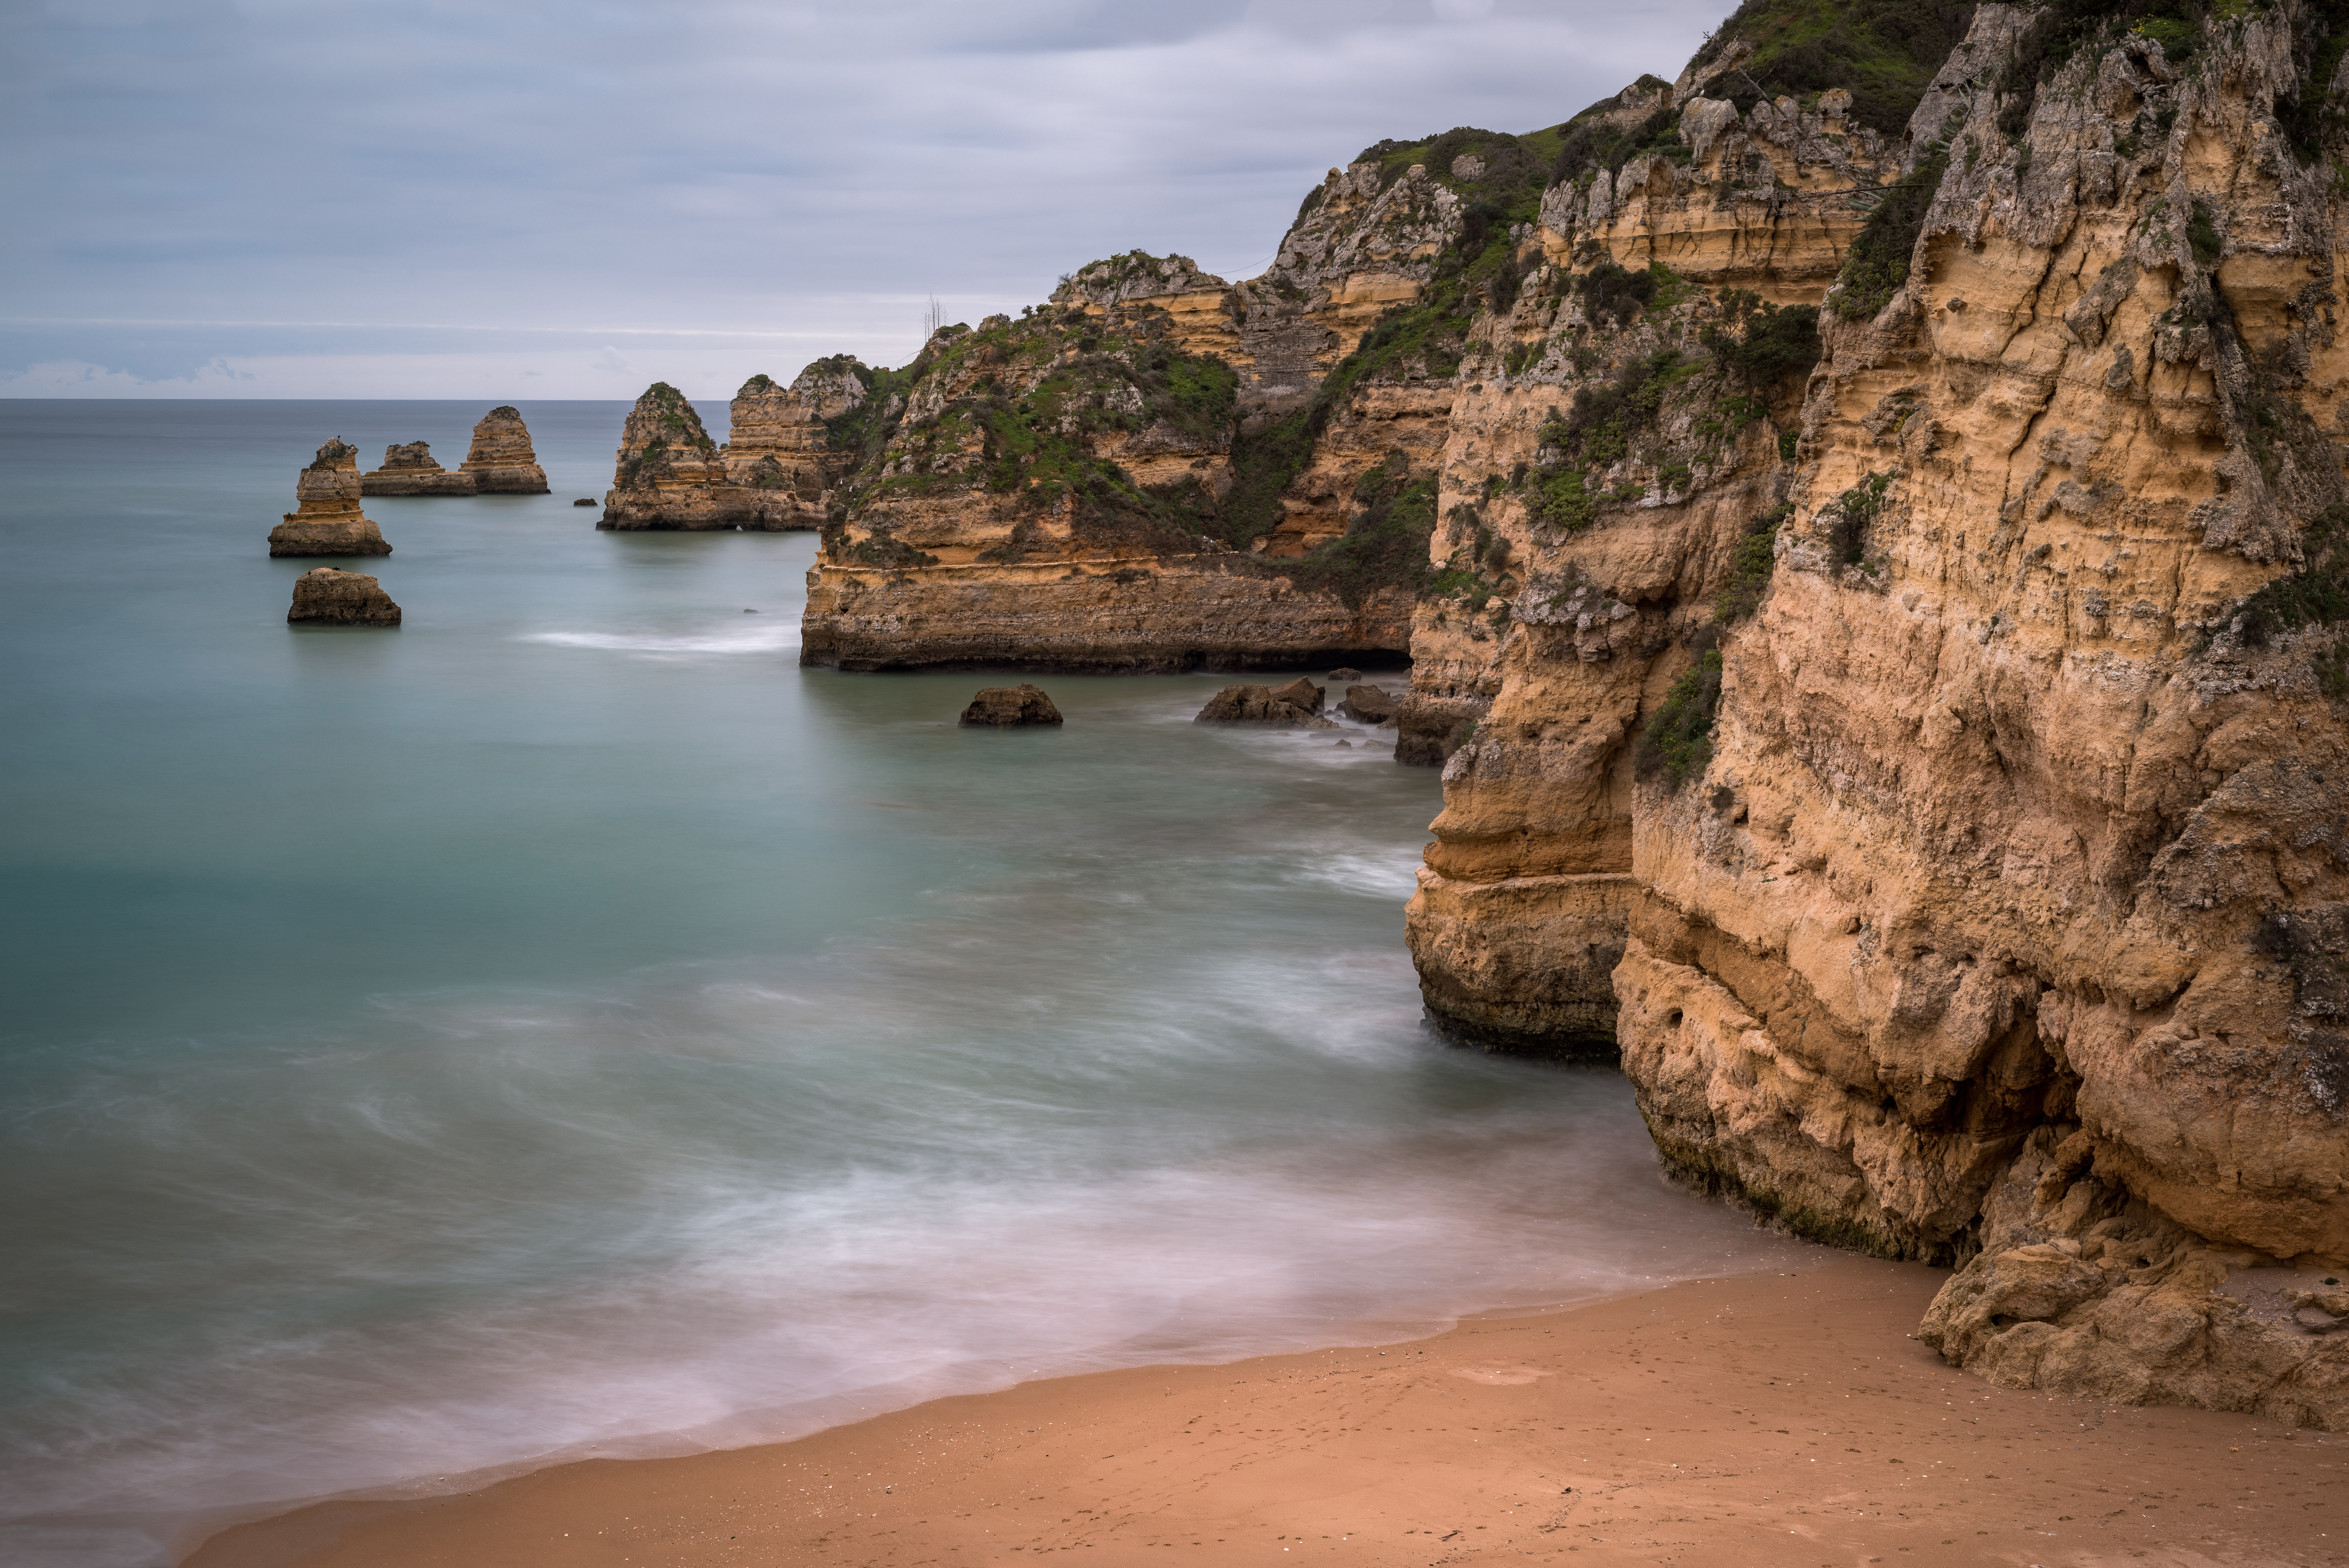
(774, 636)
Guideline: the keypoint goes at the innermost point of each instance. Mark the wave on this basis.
(768, 638)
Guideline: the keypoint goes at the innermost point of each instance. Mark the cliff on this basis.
(1916, 765)
(409, 469)
(1871, 518)
(501, 460)
(326, 520)
(774, 472)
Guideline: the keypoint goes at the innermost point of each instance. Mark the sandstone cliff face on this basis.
(326, 520)
(409, 469)
(1948, 786)
(502, 461)
(1038, 494)
(773, 473)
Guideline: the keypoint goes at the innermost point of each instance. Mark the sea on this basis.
(563, 1026)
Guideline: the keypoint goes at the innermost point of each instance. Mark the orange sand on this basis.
(1783, 1419)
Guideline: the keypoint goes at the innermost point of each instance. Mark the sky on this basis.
(509, 199)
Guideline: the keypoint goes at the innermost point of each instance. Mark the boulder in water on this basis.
(326, 520)
(584, 501)
(1298, 702)
(330, 598)
(1337, 675)
(1009, 705)
(1368, 704)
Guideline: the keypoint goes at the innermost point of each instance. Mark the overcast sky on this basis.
(508, 199)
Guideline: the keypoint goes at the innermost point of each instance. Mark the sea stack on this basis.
(325, 597)
(1010, 705)
(411, 470)
(501, 461)
(771, 475)
(327, 520)
(1298, 703)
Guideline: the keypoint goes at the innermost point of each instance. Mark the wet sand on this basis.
(1778, 1419)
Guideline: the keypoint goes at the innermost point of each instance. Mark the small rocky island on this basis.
(1005, 706)
(326, 520)
(411, 470)
(772, 474)
(324, 596)
(501, 461)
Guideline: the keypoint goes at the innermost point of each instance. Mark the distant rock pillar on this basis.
(501, 461)
(326, 520)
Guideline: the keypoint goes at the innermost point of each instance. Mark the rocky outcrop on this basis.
(409, 469)
(1922, 770)
(774, 473)
(325, 597)
(1011, 705)
(1298, 703)
(501, 461)
(1367, 704)
(327, 520)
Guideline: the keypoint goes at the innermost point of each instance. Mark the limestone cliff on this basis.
(1930, 779)
(411, 470)
(326, 520)
(502, 461)
(774, 472)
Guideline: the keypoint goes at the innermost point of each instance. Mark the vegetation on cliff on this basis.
(1883, 52)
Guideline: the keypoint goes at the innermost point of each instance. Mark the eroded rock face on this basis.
(331, 597)
(502, 461)
(327, 520)
(411, 470)
(774, 473)
(1011, 705)
(1950, 771)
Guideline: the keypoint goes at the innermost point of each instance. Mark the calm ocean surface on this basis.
(565, 1026)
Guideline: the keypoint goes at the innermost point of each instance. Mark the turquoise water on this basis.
(565, 1026)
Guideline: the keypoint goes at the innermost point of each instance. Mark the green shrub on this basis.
(1761, 343)
(1884, 52)
(2202, 235)
(1750, 571)
(2317, 595)
(1678, 740)
(1877, 262)
(1856, 511)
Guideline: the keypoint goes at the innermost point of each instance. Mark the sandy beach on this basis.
(1777, 1419)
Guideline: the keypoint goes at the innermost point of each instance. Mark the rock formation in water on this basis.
(1010, 705)
(501, 460)
(409, 469)
(775, 470)
(332, 597)
(326, 520)
(1296, 703)
(1876, 551)
(1368, 704)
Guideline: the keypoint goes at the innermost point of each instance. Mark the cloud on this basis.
(419, 166)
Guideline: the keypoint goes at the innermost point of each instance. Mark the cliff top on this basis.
(1883, 52)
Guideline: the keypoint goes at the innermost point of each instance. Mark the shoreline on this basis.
(1788, 1418)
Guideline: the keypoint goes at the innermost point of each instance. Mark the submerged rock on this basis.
(1369, 704)
(331, 597)
(584, 501)
(1009, 705)
(501, 461)
(411, 470)
(1337, 675)
(1298, 702)
(326, 520)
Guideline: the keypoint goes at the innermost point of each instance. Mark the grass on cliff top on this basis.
(1883, 52)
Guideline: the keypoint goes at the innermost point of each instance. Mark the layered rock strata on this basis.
(411, 470)
(502, 461)
(774, 472)
(325, 597)
(1932, 786)
(326, 520)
